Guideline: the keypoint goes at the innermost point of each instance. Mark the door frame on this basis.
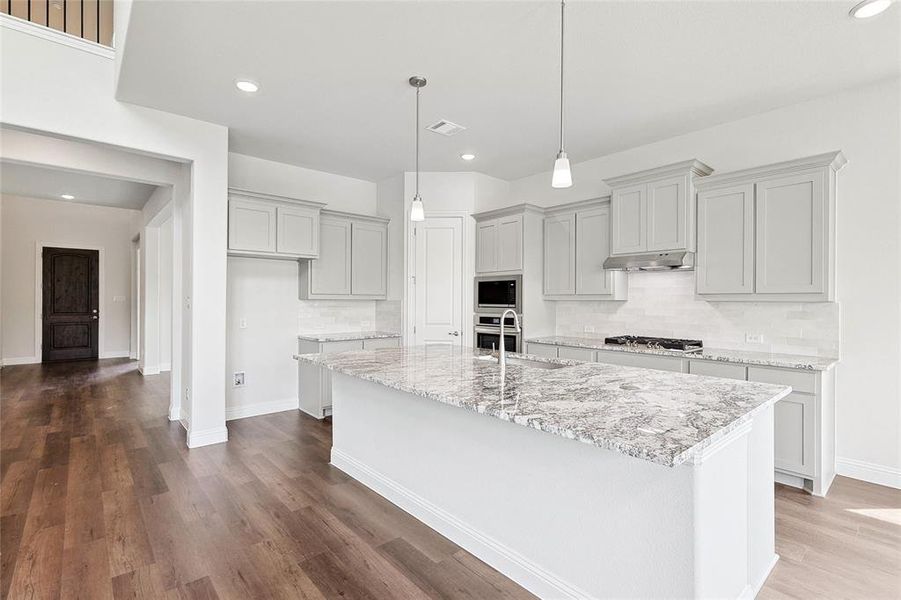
(468, 271)
(39, 294)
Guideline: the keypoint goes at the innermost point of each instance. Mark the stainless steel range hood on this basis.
(652, 261)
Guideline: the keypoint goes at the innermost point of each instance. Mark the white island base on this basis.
(566, 519)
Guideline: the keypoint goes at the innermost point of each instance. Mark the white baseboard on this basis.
(148, 370)
(165, 367)
(752, 589)
(116, 354)
(207, 437)
(790, 480)
(21, 360)
(259, 408)
(870, 472)
(512, 564)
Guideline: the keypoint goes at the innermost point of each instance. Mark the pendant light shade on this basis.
(417, 212)
(562, 177)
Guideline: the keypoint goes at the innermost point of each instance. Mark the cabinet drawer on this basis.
(794, 422)
(800, 381)
(717, 369)
(585, 354)
(542, 350)
(381, 343)
(644, 361)
(342, 346)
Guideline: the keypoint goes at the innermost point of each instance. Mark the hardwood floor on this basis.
(101, 499)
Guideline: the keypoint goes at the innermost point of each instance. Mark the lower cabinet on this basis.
(804, 427)
(314, 383)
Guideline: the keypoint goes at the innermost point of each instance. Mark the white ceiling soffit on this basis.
(333, 75)
(42, 182)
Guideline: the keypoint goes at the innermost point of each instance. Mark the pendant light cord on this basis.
(562, 24)
(417, 141)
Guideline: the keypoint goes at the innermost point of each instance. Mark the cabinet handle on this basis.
(454, 333)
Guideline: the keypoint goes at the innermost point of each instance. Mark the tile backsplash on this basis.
(389, 315)
(332, 316)
(664, 304)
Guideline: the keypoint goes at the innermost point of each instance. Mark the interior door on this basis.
(438, 317)
(71, 299)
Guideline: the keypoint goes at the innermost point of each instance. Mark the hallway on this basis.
(102, 499)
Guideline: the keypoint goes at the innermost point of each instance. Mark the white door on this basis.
(791, 232)
(438, 316)
(667, 212)
(369, 251)
(726, 240)
(592, 249)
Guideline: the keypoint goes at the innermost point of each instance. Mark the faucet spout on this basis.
(502, 356)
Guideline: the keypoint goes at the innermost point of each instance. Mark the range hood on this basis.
(652, 261)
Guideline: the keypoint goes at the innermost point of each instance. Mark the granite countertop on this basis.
(745, 357)
(343, 336)
(659, 416)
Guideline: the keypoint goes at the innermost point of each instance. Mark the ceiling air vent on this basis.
(445, 127)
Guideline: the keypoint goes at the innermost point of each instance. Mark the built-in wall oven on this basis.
(487, 333)
(495, 294)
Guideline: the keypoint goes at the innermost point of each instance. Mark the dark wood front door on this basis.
(71, 304)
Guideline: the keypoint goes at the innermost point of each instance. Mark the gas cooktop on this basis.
(656, 343)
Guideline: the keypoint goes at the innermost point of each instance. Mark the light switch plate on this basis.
(589, 329)
(754, 338)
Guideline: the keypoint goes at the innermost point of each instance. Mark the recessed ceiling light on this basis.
(869, 8)
(245, 85)
(468, 156)
(67, 197)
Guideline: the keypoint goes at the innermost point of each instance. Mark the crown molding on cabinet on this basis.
(508, 210)
(696, 167)
(355, 216)
(274, 198)
(578, 205)
(834, 160)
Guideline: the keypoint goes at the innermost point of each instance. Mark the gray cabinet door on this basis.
(298, 230)
(628, 209)
(726, 241)
(369, 251)
(668, 213)
(791, 234)
(560, 255)
(486, 246)
(509, 243)
(592, 249)
(330, 273)
(794, 433)
(542, 350)
(251, 226)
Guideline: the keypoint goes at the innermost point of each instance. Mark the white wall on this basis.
(29, 221)
(865, 124)
(165, 313)
(34, 74)
(265, 293)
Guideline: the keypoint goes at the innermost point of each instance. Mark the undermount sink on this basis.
(523, 362)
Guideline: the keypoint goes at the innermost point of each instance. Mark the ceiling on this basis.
(333, 75)
(43, 182)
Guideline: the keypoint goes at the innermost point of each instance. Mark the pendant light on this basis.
(562, 177)
(416, 210)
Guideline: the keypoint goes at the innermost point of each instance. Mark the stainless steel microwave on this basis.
(495, 294)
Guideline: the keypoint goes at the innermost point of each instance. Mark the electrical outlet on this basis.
(589, 329)
(239, 378)
(242, 323)
(754, 338)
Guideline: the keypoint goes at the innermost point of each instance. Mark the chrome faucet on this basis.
(502, 356)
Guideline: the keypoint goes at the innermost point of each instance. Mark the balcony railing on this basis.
(88, 19)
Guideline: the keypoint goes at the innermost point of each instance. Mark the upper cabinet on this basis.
(499, 240)
(576, 244)
(769, 233)
(267, 226)
(353, 259)
(653, 210)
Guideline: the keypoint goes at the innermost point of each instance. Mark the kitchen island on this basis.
(573, 479)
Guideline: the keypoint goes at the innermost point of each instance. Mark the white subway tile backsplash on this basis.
(664, 304)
